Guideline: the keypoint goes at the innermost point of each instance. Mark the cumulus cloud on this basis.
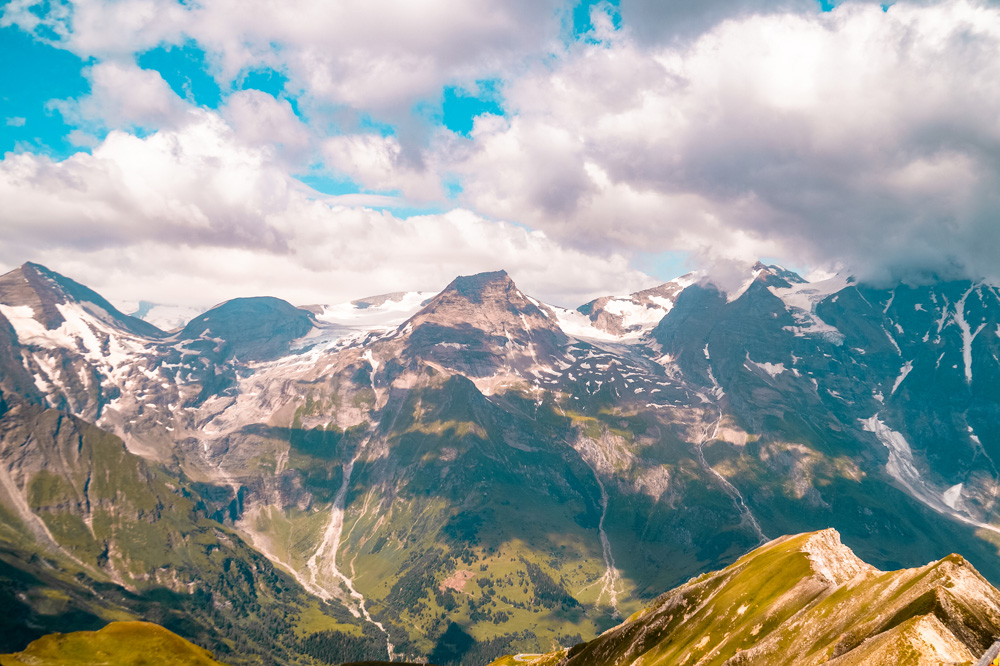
(859, 136)
(659, 21)
(376, 55)
(193, 216)
(192, 186)
(124, 95)
(259, 119)
(381, 163)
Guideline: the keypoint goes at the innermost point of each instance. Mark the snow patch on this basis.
(953, 496)
(578, 325)
(902, 468)
(801, 301)
(384, 316)
(967, 335)
(905, 370)
(732, 296)
(772, 369)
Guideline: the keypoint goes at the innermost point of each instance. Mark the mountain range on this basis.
(473, 473)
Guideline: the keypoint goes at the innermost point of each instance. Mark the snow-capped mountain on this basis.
(627, 317)
(386, 452)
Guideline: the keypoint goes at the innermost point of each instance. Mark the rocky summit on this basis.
(459, 476)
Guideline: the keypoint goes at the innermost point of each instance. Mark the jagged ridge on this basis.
(805, 599)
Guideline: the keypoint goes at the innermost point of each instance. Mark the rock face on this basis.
(46, 293)
(481, 324)
(806, 599)
(563, 465)
(251, 329)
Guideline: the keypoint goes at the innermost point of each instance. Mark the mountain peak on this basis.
(44, 290)
(832, 560)
(760, 274)
(775, 614)
(636, 313)
(476, 287)
(254, 328)
(487, 301)
(480, 322)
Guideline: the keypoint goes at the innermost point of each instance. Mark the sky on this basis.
(189, 152)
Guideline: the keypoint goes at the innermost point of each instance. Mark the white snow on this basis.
(892, 297)
(892, 340)
(953, 496)
(905, 370)
(967, 335)
(170, 317)
(578, 325)
(900, 465)
(30, 331)
(733, 295)
(636, 314)
(902, 468)
(773, 369)
(385, 316)
(631, 313)
(801, 301)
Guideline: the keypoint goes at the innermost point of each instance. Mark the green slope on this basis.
(90, 533)
(118, 644)
(806, 600)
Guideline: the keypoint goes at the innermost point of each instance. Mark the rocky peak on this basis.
(480, 287)
(834, 561)
(42, 290)
(255, 328)
(482, 323)
(489, 302)
(762, 275)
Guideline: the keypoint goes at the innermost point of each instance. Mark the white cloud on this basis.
(376, 55)
(726, 130)
(258, 119)
(193, 216)
(859, 135)
(194, 185)
(124, 95)
(380, 163)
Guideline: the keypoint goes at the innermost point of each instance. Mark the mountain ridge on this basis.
(509, 480)
(805, 599)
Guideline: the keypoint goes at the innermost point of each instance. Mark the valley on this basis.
(474, 473)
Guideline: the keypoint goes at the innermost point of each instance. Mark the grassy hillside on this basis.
(805, 600)
(90, 533)
(118, 644)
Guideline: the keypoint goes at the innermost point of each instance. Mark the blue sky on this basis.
(32, 74)
(587, 147)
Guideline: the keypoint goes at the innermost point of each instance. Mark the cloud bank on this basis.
(863, 139)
